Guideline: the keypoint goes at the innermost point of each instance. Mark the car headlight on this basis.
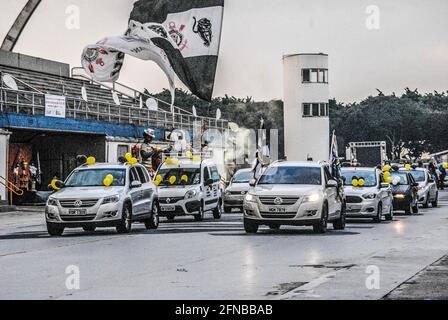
(250, 198)
(52, 202)
(312, 198)
(111, 199)
(399, 196)
(369, 196)
(191, 194)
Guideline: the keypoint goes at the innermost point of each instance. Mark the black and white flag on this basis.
(182, 37)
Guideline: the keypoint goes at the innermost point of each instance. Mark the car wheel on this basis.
(415, 208)
(435, 203)
(390, 215)
(217, 212)
(125, 224)
(200, 215)
(250, 227)
(426, 204)
(379, 214)
(321, 226)
(153, 222)
(89, 228)
(227, 209)
(274, 227)
(339, 224)
(54, 230)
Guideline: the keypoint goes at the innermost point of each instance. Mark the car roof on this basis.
(100, 165)
(188, 163)
(415, 169)
(244, 170)
(358, 169)
(307, 164)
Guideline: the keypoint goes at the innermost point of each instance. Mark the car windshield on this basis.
(95, 177)
(243, 177)
(192, 175)
(369, 177)
(401, 177)
(291, 175)
(419, 175)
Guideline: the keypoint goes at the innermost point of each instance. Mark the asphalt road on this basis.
(217, 260)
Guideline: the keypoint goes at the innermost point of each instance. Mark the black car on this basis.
(404, 191)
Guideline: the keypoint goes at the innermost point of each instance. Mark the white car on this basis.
(427, 187)
(372, 200)
(295, 193)
(237, 189)
(84, 201)
(195, 189)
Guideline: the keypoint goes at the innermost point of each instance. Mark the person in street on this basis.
(442, 176)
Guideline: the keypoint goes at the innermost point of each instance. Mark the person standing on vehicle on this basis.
(150, 154)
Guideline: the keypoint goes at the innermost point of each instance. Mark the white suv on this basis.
(84, 201)
(195, 188)
(295, 193)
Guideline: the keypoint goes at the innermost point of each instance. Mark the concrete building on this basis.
(306, 96)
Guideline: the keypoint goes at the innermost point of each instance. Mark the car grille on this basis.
(286, 201)
(236, 193)
(172, 200)
(87, 217)
(353, 199)
(85, 203)
(267, 215)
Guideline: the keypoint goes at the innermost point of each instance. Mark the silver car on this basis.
(372, 200)
(84, 201)
(237, 189)
(427, 187)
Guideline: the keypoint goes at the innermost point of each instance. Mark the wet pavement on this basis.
(216, 259)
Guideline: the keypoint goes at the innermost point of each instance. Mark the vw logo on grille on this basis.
(243, 192)
(168, 200)
(78, 203)
(278, 201)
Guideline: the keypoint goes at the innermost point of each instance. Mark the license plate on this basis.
(168, 208)
(277, 209)
(77, 212)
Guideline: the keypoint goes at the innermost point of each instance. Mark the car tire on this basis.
(217, 212)
(227, 209)
(321, 226)
(390, 215)
(54, 230)
(274, 227)
(200, 215)
(125, 224)
(435, 203)
(89, 228)
(250, 227)
(339, 224)
(379, 214)
(153, 222)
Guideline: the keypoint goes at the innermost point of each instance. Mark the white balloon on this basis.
(195, 114)
(84, 93)
(116, 98)
(9, 81)
(152, 104)
(218, 114)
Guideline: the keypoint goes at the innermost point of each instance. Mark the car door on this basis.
(208, 190)
(331, 193)
(135, 193)
(432, 186)
(216, 187)
(146, 190)
(414, 189)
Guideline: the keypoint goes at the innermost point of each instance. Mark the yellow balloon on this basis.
(175, 161)
(173, 179)
(355, 182)
(158, 178)
(157, 182)
(445, 165)
(108, 180)
(361, 182)
(133, 160)
(388, 180)
(189, 155)
(387, 167)
(197, 158)
(128, 156)
(168, 161)
(386, 174)
(53, 184)
(91, 160)
(184, 178)
(407, 166)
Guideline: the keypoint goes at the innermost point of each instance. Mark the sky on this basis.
(410, 48)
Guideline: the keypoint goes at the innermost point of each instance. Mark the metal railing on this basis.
(11, 187)
(33, 103)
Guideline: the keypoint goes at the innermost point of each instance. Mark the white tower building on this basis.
(306, 96)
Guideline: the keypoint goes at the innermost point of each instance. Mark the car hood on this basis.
(285, 190)
(401, 189)
(358, 191)
(87, 192)
(175, 191)
(236, 187)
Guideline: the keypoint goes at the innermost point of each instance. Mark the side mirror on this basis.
(209, 182)
(135, 184)
(384, 185)
(332, 184)
(252, 182)
(415, 184)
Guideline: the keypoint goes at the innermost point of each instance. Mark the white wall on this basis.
(304, 136)
(4, 149)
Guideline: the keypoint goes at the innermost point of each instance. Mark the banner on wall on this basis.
(55, 106)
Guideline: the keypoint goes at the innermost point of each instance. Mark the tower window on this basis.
(315, 110)
(315, 75)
